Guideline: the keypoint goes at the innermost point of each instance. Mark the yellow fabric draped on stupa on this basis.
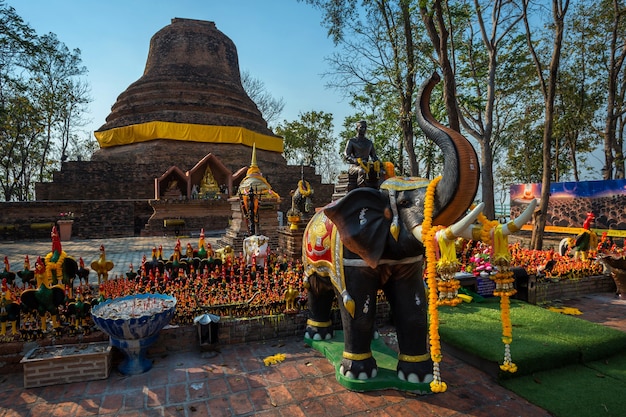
(144, 132)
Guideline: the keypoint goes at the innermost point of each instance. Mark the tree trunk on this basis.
(486, 177)
(558, 10)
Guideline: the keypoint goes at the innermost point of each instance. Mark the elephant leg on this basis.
(409, 307)
(357, 361)
(320, 300)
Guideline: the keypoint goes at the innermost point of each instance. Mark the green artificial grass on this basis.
(595, 389)
(386, 360)
(542, 339)
(566, 365)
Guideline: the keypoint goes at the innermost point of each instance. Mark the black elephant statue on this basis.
(371, 239)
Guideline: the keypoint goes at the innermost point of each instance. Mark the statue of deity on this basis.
(208, 186)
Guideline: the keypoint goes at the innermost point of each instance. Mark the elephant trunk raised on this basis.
(371, 239)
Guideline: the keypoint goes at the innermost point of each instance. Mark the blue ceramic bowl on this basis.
(135, 316)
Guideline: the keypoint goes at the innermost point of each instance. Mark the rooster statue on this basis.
(7, 274)
(46, 298)
(79, 310)
(9, 311)
(27, 275)
(102, 266)
(83, 273)
(176, 262)
(587, 240)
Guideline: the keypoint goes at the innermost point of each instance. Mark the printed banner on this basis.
(571, 201)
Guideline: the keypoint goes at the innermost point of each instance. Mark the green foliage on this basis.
(42, 103)
(310, 140)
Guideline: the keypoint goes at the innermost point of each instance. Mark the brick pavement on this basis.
(237, 383)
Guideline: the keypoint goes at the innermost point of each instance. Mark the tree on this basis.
(612, 32)
(310, 141)
(380, 53)
(434, 18)
(55, 92)
(548, 84)
(18, 120)
(42, 103)
(269, 106)
(482, 75)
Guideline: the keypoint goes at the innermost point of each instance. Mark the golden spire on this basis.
(253, 163)
(254, 168)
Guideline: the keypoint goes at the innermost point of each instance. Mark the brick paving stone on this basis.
(279, 395)
(155, 397)
(260, 399)
(88, 406)
(219, 407)
(176, 393)
(198, 390)
(217, 387)
(237, 383)
(134, 399)
(111, 403)
(64, 409)
(240, 403)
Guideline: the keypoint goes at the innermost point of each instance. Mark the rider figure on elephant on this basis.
(365, 167)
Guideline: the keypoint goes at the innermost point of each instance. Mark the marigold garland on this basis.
(305, 188)
(57, 267)
(501, 258)
(428, 233)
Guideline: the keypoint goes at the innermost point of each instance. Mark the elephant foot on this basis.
(316, 330)
(354, 367)
(415, 369)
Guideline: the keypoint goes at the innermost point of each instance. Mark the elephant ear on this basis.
(363, 218)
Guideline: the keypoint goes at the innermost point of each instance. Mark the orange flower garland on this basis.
(56, 267)
(305, 188)
(501, 258)
(428, 233)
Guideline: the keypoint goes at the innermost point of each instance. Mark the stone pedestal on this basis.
(237, 231)
(341, 187)
(290, 241)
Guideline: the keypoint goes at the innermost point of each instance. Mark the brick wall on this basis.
(92, 219)
(184, 338)
(542, 292)
(110, 194)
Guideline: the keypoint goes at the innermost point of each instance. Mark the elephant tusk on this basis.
(462, 228)
(516, 224)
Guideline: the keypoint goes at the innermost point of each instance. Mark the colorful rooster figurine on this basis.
(7, 273)
(27, 275)
(102, 266)
(9, 310)
(83, 273)
(46, 298)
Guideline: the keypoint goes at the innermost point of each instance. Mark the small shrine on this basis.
(254, 209)
(193, 200)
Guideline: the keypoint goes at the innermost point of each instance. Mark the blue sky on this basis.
(280, 42)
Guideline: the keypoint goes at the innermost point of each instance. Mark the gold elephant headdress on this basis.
(395, 184)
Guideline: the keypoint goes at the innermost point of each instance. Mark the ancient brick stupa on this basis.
(190, 93)
(189, 103)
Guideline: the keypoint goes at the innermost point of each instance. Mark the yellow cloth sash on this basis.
(144, 132)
